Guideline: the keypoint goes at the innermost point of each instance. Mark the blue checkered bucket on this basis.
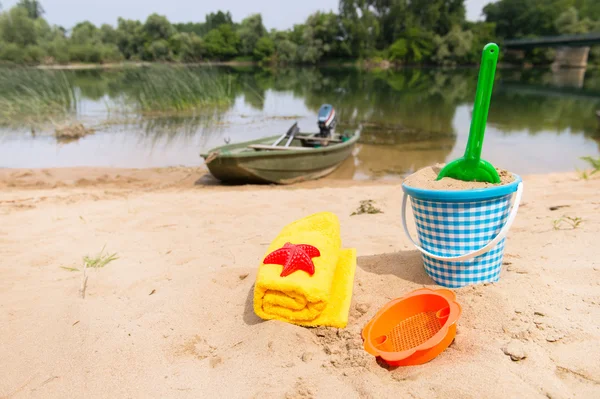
(461, 233)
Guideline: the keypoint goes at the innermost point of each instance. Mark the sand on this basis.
(172, 316)
(425, 178)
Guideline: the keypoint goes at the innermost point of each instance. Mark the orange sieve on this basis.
(413, 329)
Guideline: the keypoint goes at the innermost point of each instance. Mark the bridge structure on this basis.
(571, 50)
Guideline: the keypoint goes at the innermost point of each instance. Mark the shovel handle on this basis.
(485, 84)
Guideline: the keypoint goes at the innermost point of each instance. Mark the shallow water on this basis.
(539, 122)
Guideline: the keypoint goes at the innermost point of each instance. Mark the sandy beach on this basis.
(172, 315)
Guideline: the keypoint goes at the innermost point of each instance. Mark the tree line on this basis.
(399, 31)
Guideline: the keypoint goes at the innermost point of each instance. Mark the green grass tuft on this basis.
(594, 163)
(366, 206)
(99, 260)
(573, 222)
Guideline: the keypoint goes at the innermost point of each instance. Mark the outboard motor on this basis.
(326, 121)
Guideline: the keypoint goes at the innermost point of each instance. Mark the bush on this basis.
(34, 54)
(221, 43)
(85, 53)
(158, 51)
(111, 53)
(12, 53)
(286, 51)
(398, 50)
(192, 48)
(58, 51)
(264, 49)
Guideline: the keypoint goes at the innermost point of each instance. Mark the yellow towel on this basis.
(322, 299)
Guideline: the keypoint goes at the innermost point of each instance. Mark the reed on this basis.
(176, 89)
(34, 95)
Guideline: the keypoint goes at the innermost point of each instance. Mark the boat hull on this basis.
(280, 167)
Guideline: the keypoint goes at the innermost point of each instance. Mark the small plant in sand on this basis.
(573, 222)
(594, 163)
(94, 262)
(366, 206)
(583, 174)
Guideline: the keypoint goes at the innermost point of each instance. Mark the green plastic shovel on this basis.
(471, 167)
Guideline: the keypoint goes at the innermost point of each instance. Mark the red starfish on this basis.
(294, 257)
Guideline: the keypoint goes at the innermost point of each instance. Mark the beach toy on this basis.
(471, 167)
(414, 329)
(462, 232)
(306, 277)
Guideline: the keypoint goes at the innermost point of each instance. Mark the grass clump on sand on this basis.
(98, 261)
(366, 206)
(574, 222)
(34, 95)
(176, 89)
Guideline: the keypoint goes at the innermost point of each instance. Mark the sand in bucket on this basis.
(461, 226)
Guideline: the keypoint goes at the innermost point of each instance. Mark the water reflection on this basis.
(408, 119)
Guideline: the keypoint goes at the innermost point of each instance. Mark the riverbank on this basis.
(172, 315)
(366, 64)
(131, 64)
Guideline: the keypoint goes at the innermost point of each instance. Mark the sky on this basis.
(279, 14)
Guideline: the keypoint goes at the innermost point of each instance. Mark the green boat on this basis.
(290, 158)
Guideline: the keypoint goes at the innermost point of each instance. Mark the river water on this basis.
(539, 122)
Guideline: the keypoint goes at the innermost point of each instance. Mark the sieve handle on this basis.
(482, 250)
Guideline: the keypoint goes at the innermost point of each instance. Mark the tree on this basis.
(251, 30)
(85, 33)
(191, 27)
(285, 48)
(130, 39)
(221, 43)
(17, 27)
(157, 27)
(483, 33)
(437, 16)
(384, 21)
(569, 23)
(360, 25)
(158, 50)
(519, 18)
(33, 7)
(188, 47)
(108, 34)
(453, 48)
(325, 29)
(589, 8)
(215, 20)
(414, 46)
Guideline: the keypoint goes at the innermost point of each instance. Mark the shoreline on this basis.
(176, 177)
(364, 64)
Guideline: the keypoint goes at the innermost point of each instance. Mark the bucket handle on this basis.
(482, 250)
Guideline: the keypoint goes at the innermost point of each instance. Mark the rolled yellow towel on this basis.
(320, 299)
